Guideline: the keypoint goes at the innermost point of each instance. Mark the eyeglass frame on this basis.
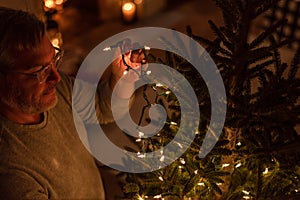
(42, 74)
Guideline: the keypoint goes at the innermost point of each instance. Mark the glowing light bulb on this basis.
(146, 47)
(246, 192)
(238, 165)
(59, 2)
(161, 178)
(125, 72)
(182, 161)
(50, 4)
(55, 42)
(225, 165)
(266, 171)
(140, 198)
(107, 49)
(162, 159)
(180, 145)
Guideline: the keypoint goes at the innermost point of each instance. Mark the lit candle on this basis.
(49, 3)
(128, 11)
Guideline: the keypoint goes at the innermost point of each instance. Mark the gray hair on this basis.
(19, 31)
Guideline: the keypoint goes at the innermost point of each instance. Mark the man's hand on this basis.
(128, 67)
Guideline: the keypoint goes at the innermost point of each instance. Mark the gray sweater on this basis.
(48, 160)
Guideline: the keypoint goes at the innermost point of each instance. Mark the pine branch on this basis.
(266, 34)
(222, 36)
(294, 65)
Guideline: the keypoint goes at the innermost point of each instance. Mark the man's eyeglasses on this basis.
(42, 74)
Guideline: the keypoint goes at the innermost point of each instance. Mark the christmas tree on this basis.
(256, 156)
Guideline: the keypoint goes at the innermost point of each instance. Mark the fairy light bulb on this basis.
(266, 171)
(162, 159)
(246, 192)
(182, 161)
(225, 165)
(201, 184)
(157, 196)
(238, 165)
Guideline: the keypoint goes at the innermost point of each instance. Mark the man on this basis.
(41, 154)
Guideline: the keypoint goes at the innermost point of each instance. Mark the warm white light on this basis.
(59, 2)
(162, 158)
(107, 49)
(127, 6)
(148, 72)
(246, 192)
(141, 134)
(146, 47)
(125, 72)
(225, 165)
(180, 145)
(161, 178)
(200, 184)
(266, 171)
(55, 42)
(182, 161)
(141, 155)
(128, 11)
(238, 165)
(140, 198)
(50, 4)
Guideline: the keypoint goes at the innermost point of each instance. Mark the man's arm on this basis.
(101, 103)
(19, 185)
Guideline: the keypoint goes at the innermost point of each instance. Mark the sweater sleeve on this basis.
(93, 102)
(18, 185)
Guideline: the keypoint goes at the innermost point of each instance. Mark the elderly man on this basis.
(41, 154)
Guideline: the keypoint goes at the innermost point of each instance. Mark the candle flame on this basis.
(127, 6)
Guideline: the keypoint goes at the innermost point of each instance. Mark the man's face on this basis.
(26, 94)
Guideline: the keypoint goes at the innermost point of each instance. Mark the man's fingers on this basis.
(137, 56)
